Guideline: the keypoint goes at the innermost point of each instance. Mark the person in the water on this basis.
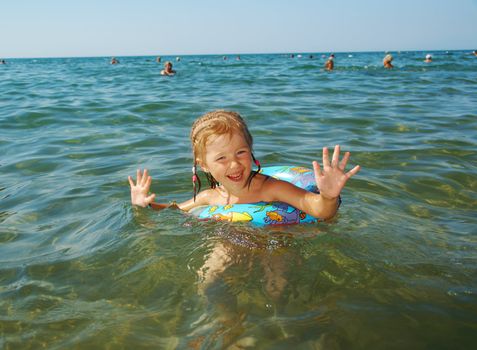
(168, 69)
(330, 63)
(387, 61)
(222, 148)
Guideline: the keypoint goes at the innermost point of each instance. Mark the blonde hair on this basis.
(388, 58)
(211, 125)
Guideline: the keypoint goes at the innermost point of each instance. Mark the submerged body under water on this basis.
(81, 268)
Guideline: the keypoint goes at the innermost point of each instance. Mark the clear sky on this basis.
(60, 28)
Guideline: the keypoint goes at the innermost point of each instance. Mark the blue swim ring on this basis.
(266, 213)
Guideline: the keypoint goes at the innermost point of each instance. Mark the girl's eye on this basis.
(219, 159)
(242, 152)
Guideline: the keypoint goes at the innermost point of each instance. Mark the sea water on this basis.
(80, 268)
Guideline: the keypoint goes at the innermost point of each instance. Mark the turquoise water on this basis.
(81, 269)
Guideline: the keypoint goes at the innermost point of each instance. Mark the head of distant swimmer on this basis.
(168, 65)
(388, 58)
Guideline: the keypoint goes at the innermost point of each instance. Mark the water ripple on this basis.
(80, 268)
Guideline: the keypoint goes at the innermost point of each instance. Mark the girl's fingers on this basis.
(317, 170)
(344, 161)
(150, 199)
(353, 171)
(144, 177)
(326, 160)
(138, 176)
(336, 156)
(131, 182)
(148, 183)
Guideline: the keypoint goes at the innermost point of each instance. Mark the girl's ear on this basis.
(202, 166)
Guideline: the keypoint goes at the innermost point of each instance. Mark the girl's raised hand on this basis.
(332, 178)
(140, 191)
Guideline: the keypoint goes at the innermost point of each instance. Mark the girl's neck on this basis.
(243, 195)
(228, 196)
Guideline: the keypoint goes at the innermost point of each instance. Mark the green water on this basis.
(81, 269)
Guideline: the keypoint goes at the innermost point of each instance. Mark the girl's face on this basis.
(228, 158)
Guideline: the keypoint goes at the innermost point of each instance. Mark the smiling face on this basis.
(229, 160)
(216, 131)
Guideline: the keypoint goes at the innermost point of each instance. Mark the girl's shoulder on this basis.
(204, 197)
(271, 189)
(266, 182)
(265, 186)
(208, 196)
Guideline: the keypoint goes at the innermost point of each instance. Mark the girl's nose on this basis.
(234, 163)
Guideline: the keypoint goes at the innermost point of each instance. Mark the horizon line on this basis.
(236, 54)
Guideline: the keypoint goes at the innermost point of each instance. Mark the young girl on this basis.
(222, 148)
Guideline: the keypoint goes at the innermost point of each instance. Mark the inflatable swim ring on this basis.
(266, 213)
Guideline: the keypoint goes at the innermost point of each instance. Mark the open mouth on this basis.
(235, 177)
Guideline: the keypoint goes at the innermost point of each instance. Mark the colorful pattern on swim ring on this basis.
(266, 213)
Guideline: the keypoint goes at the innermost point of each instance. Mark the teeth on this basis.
(235, 177)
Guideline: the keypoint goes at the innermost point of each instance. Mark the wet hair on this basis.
(388, 58)
(211, 125)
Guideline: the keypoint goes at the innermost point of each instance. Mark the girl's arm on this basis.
(202, 198)
(140, 194)
(330, 180)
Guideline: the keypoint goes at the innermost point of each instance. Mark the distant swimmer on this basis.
(158, 59)
(387, 61)
(178, 58)
(114, 60)
(238, 58)
(224, 58)
(475, 52)
(3, 62)
(168, 69)
(330, 63)
(428, 58)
